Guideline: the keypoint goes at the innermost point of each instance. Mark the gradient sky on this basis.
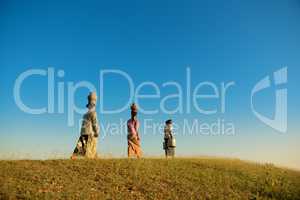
(220, 41)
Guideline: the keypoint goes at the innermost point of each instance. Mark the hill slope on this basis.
(146, 179)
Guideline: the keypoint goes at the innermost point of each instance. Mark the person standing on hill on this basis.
(87, 143)
(133, 137)
(169, 139)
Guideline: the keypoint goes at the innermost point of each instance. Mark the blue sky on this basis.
(220, 41)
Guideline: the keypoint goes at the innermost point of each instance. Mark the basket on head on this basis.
(134, 108)
(169, 121)
(92, 99)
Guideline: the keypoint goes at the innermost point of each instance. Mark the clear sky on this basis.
(158, 42)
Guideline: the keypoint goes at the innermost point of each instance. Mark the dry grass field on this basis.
(199, 178)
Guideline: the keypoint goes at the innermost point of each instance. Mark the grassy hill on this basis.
(202, 178)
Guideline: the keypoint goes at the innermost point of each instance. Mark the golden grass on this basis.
(182, 178)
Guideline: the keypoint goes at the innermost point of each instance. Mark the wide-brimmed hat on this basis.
(134, 108)
(92, 99)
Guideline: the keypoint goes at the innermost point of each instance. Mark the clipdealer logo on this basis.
(186, 94)
(279, 121)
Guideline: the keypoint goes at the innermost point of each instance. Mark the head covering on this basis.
(169, 121)
(134, 108)
(92, 99)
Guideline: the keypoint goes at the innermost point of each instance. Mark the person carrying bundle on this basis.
(169, 144)
(87, 144)
(133, 137)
